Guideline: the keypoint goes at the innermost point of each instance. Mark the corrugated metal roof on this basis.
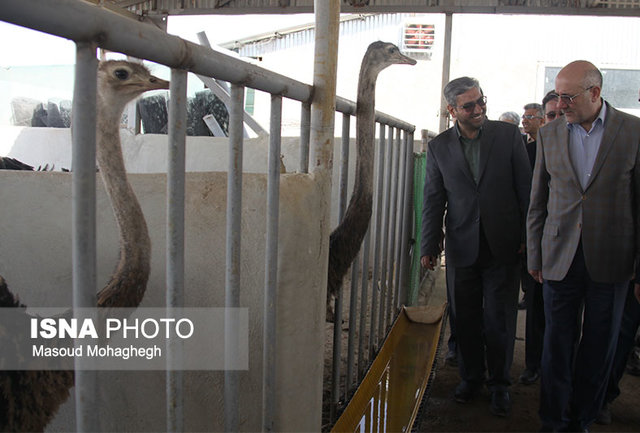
(363, 25)
(554, 7)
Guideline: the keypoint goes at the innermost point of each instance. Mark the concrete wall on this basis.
(35, 259)
(147, 153)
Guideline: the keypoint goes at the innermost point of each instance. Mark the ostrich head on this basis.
(121, 81)
(380, 55)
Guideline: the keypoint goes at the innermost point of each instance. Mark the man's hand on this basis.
(536, 274)
(428, 262)
(636, 291)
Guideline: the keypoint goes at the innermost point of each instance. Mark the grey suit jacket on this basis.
(499, 200)
(604, 215)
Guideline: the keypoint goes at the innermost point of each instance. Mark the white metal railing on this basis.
(91, 27)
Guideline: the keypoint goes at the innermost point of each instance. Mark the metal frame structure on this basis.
(90, 27)
(555, 7)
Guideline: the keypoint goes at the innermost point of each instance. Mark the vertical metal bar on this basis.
(271, 274)
(402, 170)
(376, 248)
(391, 228)
(446, 67)
(175, 240)
(344, 166)
(405, 258)
(337, 323)
(305, 132)
(232, 274)
(384, 228)
(353, 309)
(84, 220)
(363, 300)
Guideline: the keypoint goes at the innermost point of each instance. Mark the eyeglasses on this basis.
(469, 106)
(531, 116)
(552, 115)
(569, 99)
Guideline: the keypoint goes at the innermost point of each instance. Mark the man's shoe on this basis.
(604, 416)
(451, 358)
(575, 426)
(465, 392)
(529, 377)
(500, 403)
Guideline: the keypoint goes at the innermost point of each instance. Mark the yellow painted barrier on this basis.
(390, 394)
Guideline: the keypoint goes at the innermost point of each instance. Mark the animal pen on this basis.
(279, 245)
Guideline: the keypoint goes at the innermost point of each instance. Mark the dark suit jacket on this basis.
(500, 199)
(604, 215)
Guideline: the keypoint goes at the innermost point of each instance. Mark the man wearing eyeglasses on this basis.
(582, 242)
(478, 171)
(549, 103)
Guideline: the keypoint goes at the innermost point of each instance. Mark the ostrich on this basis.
(30, 399)
(345, 240)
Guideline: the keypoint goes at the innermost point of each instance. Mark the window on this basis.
(619, 86)
(417, 38)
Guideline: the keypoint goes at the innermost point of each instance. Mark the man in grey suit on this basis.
(583, 240)
(478, 171)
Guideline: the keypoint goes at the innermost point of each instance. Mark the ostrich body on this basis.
(30, 399)
(346, 239)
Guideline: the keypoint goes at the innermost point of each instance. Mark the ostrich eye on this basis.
(121, 74)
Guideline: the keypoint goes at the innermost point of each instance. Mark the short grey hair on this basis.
(511, 117)
(457, 87)
(593, 77)
(535, 106)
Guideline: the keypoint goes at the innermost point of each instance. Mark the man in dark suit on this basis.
(532, 120)
(583, 239)
(478, 171)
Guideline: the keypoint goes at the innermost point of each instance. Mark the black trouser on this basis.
(486, 307)
(534, 335)
(626, 340)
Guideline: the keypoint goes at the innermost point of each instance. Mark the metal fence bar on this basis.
(384, 234)
(175, 240)
(344, 166)
(376, 248)
(232, 273)
(363, 301)
(271, 273)
(305, 133)
(353, 309)
(391, 226)
(402, 167)
(84, 220)
(337, 322)
(407, 224)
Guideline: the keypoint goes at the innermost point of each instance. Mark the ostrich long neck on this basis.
(347, 237)
(365, 132)
(359, 208)
(134, 236)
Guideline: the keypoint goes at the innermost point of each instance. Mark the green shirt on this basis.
(471, 150)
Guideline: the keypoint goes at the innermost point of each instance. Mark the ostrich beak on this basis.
(405, 60)
(156, 83)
